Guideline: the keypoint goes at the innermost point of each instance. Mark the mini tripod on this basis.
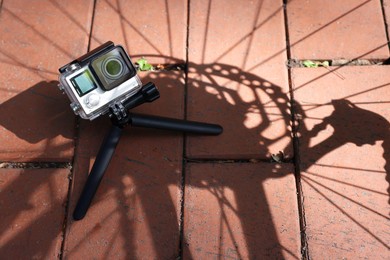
(120, 118)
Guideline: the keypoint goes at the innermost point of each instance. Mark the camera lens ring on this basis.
(112, 68)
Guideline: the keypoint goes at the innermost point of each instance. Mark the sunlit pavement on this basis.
(302, 90)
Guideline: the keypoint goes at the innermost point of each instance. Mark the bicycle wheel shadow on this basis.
(351, 124)
(141, 193)
(343, 184)
(138, 205)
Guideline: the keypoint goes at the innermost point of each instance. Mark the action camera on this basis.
(98, 80)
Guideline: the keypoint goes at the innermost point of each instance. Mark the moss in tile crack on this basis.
(315, 64)
(143, 65)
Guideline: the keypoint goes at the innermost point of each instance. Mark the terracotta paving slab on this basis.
(345, 159)
(240, 211)
(135, 213)
(325, 30)
(36, 39)
(32, 204)
(156, 30)
(238, 78)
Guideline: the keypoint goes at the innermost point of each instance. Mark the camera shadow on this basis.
(42, 122)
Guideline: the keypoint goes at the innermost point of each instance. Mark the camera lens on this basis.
(112, 68)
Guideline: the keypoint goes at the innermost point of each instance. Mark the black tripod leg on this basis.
(175, 124)
(103, 158)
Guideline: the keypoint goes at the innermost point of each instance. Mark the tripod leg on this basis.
(175, 124)
(103, 158)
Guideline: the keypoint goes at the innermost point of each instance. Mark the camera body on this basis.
(98, 80)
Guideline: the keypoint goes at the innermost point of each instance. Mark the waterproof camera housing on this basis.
(102, 78)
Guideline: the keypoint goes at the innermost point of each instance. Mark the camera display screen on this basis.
(83, 83)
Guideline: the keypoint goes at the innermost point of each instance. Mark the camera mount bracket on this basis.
(118, 111)
(120, 118)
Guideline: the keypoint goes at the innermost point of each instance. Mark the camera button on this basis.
(92, 100)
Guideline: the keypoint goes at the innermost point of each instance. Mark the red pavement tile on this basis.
(154, 29)
(326, 30)
(345, 159)
(135, 213)
(32, 212)
(240, 211)
(36, 39)
(238, 78)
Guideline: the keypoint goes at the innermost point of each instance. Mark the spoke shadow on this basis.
(131, 170)
(350, 124)
(139, 201)
(148, 177)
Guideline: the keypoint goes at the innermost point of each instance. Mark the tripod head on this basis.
(119, 110)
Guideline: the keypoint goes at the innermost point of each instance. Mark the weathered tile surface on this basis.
(324, 30)
(32, 210)
(345, 158)
(36, 39)
(238, 78)
(240, 211)
(155, 30)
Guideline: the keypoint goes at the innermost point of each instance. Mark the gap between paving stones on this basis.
(184, 163)
(295, 142)
(76, 137)
(295, 63)
(36, 165)
(226, 161)
(385, 23)
(67, 209)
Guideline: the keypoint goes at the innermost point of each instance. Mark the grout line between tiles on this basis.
(385, 23)
(76, 138)
(183, 172)
(300, 63)
(296, 159)
(91, 27)
(35, 165)
(242, 160)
